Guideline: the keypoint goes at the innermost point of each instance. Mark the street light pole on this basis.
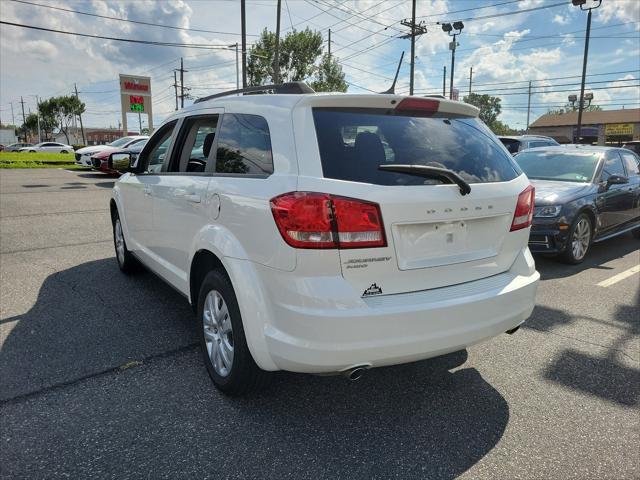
(580, 3)
(448, 28)
(453, 65)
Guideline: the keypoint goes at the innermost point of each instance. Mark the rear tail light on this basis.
(320, 220)
(524, 209)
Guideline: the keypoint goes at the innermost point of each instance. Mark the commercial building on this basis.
(606, 127)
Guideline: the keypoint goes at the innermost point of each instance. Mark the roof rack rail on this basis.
(283, 88)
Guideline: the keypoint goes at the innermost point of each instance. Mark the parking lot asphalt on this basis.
(100, 375)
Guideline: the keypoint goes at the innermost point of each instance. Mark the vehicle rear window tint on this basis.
(353, 144)
(244, 146)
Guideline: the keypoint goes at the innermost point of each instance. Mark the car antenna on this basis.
(392, 89)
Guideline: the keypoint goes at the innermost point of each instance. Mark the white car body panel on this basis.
(303, 310)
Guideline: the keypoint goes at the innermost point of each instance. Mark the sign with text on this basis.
(618, 129)
(135, 97)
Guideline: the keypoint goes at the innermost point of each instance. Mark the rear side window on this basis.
(244, 146)
(631, 162)
(354, 143)
(539, 144)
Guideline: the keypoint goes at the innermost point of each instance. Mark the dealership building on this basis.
(607, 127)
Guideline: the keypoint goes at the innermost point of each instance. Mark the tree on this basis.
(61, 111)
(30, 125)
(500, 128)
(329, 76)
(299, 60)
(570, 108)
(489, 107)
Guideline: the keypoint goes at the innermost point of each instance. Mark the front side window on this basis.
(244, 146)
(156, 150)
(631, 162)
(196, 140)
(354, 143)
(612, 166)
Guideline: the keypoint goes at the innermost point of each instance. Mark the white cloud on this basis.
(623, 10)
(560, 19)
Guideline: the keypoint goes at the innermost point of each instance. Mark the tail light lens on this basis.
(524, 209)
(320, 220)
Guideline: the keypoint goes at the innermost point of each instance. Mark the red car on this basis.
(100, 160)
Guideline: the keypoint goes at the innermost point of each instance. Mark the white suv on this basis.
(329, 233)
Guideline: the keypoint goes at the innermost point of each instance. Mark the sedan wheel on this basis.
(579, 240)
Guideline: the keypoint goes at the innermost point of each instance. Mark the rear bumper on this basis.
(384, 330)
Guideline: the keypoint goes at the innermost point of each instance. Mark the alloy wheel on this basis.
(581, 238)
(218, 333)
(119, 237)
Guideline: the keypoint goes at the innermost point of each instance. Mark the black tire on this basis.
(244, 376)
(570, 255)
(63, 151)
(126, 261)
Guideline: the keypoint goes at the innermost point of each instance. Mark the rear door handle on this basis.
(193, 198)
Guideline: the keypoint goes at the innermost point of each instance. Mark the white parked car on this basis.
(329, 233)
(83, 155)
(51, 147)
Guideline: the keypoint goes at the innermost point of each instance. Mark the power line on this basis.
(138, 22)
(117, 39)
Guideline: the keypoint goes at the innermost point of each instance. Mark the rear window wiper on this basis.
(448, 176)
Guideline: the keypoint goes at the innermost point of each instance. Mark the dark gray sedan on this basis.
(584, 194)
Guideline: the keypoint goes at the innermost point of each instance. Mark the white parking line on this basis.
(620, 276)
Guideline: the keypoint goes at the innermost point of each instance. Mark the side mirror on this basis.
(119, 161)
(617, 180)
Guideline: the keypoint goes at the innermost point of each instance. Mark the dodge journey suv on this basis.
(329, 233)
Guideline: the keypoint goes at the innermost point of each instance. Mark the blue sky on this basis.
(506, 42)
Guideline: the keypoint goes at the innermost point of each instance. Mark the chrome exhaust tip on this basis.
(355, 373)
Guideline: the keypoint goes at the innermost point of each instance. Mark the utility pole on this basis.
(529, 106)
(13, 119)
(181, 83)
(84, 142)
(276, 59)
(24, 128)
(38, 115)
(237, 69)
(329, 44)
(416, 30)
(243, 26)
(470, 78)
(580, 3)
(175, 87)
(444, 81)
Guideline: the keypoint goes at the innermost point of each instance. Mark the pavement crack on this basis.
(107, 371)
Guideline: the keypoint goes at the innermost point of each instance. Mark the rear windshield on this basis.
(354, 143)
(554, 165)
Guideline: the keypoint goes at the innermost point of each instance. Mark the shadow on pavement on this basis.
(87, 319)
(165, 418)
(609, 376)
(598, 255)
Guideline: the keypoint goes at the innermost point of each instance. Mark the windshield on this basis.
(353, 143)
(137, 147)
(121, 141)
(562, 166)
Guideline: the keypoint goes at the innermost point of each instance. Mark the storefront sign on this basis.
(618, 129)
